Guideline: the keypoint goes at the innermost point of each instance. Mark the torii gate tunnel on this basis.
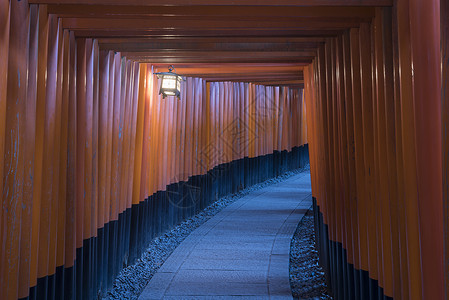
(94, 163)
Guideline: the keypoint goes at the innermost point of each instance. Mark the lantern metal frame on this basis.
(176, 91)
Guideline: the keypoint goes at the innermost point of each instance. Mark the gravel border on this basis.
(307, 279)
(131, 281)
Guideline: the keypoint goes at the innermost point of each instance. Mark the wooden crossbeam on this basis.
(271, 12)
(168, 33)
(201, 24)
(224, 2)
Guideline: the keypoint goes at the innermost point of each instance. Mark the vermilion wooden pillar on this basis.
(409, 150)
(400, 178)
(324, 131)
(425, 41)
(104, 68)
(358, 150)
(26, 230)
(70, 229)
(352, 205)
(382, 158)
(140, 159)
(145, 187)
(39, 137)
(80, 138)
(368, 146)
(63, 215)
(427, 86)
(444, 56)
(115, 171)
(14, 146)
(55, 48)
(49, 172)
(4, 55)
(390, 145)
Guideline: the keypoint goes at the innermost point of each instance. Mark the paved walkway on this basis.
(242, 252)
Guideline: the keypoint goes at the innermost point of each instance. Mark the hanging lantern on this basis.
(170, 83)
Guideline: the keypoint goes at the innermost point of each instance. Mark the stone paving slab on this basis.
(240, 253)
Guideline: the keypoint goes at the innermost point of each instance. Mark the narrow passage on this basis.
(242, 252)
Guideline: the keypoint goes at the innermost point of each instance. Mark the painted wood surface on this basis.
(382, 155)
(86, 137)
(90, 153)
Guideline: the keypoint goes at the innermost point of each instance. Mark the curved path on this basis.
(242, 252)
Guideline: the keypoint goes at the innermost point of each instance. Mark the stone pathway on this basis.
(242, 252)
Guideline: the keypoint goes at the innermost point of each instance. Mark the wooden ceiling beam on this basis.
(267, 74)
(204, 25)
(213, 40)
(221, 55)
(107, 33)
(279, 82)
(223, 2)
(250, 79)
(215, 60)
(224, 69)
(177, 60)
(108, 11)
(234, 65)
(237, 73)
(231, 53)
(266, 82)
(188, 46)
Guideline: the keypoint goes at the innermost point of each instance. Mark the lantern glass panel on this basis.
(169, 82)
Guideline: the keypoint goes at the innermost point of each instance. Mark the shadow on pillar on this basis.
(342, 279)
